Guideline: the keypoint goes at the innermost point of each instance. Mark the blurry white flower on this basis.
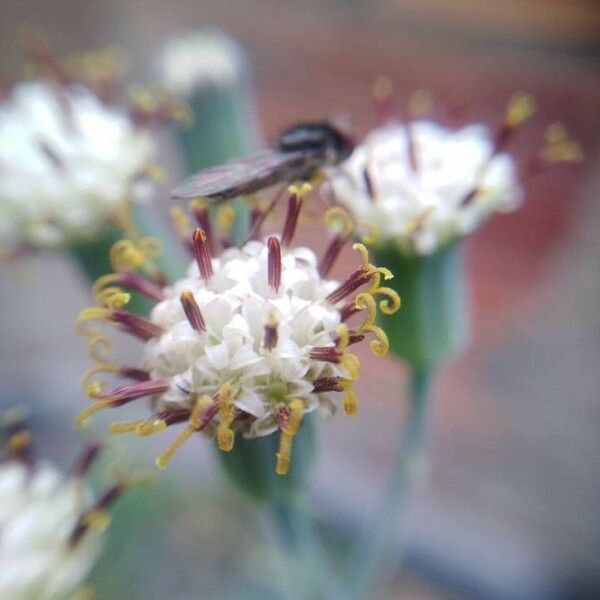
(50, 525)
(422, 185)
(247, 342)
(68, 164)
(197, 59)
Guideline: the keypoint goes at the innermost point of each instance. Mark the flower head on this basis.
(422, 185)
(207, 57)
(71, 157)
(248, 342)
(50, 525)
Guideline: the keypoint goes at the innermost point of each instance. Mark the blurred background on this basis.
(511, 506)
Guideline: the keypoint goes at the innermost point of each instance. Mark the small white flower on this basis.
(204, 58)
(422, 185)
(48, 541)
(68, 162)
(247, 342)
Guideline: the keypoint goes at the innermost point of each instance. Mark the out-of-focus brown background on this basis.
(511, 506)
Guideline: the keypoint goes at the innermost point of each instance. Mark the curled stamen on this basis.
(131, 281)
(192, 311)
(392, 301)
(126, 255)
(366, 301)
(287, 436)
(271, 335)
(294, 205)
(202, 254)
(274, 263)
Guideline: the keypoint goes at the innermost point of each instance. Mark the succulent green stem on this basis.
(379, 550)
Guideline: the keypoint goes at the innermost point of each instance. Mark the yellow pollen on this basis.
(225, 218)
(112, 297)
(350, 400)
(382, 88)
(344, 336)
(366, 301)
(98, 368)
(94, 313)
(287, 436)
(372, 233)
(351, 363)
(86, 413)
(181, 222)
(150, 427)
(123, 426)
(300, 190)
(20, 440)
(194, 422)
(93, 389)
(520, 107)
(97, 519)
(225, 435)
(364, 253)
(420, 103)
(338, 219)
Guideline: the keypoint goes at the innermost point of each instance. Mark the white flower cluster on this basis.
(68, 163)
(40, 508)
(238, 306)
(422, 185)
(204, 58)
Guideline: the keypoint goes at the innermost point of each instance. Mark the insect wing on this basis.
(241, 176)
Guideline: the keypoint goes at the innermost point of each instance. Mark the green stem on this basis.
(313, 576)
(374, 557)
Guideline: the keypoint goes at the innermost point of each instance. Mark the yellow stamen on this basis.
(98, 368)
(417, 223)
(113, 297)
(181, 222)
(520, 107)
(201, 405)
(20, 440)
(364, 253)
(97, 519)
(225, 435)
(225, 218)
(94, 313)
(382, 88)
(366, 301)
(123, 426)
(392, 301)
(300, 190)
(420, 103)
(103, 282)
(99, 347)
(86, 413)
(559, 147)
(93, 389)
(287, 436)
(350, 400)
(351, 363)
(371, 235)
(339, 220)
(163, 460)
(381, 345)
(343, 336)
(150, 427)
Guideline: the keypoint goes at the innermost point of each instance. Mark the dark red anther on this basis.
(192, 311)
(136, 325)
(202, 254)
(291, 219)
(274, 263)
